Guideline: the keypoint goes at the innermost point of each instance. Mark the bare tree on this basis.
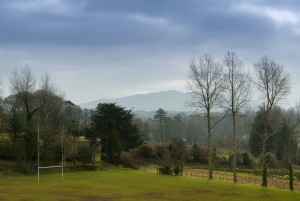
(22, 84)
(205, 83)
(49, 99)
(0, 104)
(50, 105)
(237, 90)
(274, 84)
(0, 88)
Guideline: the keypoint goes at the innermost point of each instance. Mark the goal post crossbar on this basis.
(48, 167)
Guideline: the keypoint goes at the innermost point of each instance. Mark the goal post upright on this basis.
(62, 153)
(38, 147)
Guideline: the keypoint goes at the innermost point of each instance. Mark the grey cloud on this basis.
(137, 42)
(110, 23)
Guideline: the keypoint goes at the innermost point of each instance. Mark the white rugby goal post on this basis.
(54, 166)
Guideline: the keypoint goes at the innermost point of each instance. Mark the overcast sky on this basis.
(111, 48)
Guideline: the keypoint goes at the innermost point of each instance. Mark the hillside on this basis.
(168, 100)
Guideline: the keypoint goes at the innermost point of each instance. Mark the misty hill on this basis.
(168, 100)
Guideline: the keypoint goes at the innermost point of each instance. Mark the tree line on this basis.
(226, 85)
(38, 107)
(220, 91)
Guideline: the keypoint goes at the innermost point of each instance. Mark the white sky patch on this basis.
(149, 20)
(278, 15)
(282, 16)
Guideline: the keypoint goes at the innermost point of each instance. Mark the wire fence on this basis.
(242, 178)
(228, 177)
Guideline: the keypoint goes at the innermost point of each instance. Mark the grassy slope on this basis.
(131, 185)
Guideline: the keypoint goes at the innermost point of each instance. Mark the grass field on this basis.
(123, 184)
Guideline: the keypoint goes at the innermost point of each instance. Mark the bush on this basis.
(178, 154)
(239, 158)
(247, 160)
(165, 170)
(145, 152)
(196, 154)
(203, 155)
(6, 148)
(84, 154)
(271, 159)
(127, 160)
(73, 166)
(221, 160)
(162, 153)
(177, 170)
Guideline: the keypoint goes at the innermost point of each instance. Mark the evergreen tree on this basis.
(160, 117)
(255, 138)
(286, 142)
(116, 129)
(15, 126)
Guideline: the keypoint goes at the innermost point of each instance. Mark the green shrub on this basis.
(222, 160)
(6, 148)
(84, 154)
(196, 154)
(271, 159)
(127, 160)
(247, 160)
(162, 154)
(177, 170)
(204, 154)
(145, 152)
(165, 170)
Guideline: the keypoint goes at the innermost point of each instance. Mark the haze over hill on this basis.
(168, 100)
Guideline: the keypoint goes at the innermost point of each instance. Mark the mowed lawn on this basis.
(131, 185)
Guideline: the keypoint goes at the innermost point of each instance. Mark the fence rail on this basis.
(243, 179)
(227, 176)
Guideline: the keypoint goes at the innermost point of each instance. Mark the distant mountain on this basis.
(168, 100)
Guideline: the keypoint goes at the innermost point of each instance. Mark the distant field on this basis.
(130, 185)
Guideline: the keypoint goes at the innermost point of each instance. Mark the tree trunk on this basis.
(74, 149)
(234, 148)
(291, 177)
(210, 173)
(264, 146)
(264, 176)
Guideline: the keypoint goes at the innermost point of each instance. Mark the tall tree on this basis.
(160, 117)
(22, 85)
(1, 106)
(49, 117)
(237, 90)
(257, 127)
(178, 153)
(274, 84)
(114, 122)
(286, 137)
(205, 83)
(92, 136)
